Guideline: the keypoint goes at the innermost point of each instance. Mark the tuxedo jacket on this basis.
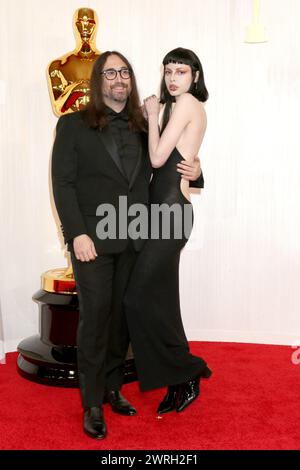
(87, 172)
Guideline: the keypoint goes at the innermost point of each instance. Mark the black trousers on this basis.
(102, 337)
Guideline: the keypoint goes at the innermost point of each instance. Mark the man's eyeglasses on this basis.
(111, 74)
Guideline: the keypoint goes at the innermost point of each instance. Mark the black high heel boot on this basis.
(190, 390)
(169, 401)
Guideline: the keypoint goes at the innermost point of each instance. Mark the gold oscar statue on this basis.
(69, 76)
(68, 82)
(50, 356)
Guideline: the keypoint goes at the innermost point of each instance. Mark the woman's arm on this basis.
(160, 147)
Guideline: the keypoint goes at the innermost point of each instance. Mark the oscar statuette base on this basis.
(50, 357)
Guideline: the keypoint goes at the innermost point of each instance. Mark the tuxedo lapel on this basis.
(106, 137)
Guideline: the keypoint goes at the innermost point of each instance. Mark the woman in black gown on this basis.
(152, 302)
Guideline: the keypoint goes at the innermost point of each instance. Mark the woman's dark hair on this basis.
(198, 89)
(95, 113)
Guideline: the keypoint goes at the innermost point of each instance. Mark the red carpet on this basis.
(250, 402)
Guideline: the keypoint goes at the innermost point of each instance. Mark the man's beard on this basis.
(117, 96)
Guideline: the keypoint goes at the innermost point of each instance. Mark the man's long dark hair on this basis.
(95, 113)
(197, 89)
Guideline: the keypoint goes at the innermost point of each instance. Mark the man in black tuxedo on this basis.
(99, 155)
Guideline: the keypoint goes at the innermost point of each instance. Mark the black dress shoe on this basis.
(190, 390)
(169, 401)
(118, 403)
(93, 423)
(206, 373)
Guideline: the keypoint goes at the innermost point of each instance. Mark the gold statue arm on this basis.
(61, 91)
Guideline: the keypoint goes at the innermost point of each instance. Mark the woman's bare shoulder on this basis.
(187, 99)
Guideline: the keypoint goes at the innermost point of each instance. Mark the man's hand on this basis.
(84, 248)
(189, 171)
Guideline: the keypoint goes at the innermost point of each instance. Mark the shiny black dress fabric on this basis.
(152, 303)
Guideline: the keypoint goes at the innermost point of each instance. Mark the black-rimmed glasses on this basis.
(111, 74)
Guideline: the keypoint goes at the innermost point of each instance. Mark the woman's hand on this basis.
(145, 114)
(152, 105)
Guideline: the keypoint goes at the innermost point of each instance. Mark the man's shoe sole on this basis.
(95, 437)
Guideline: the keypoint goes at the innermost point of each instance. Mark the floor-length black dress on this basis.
(151, 303)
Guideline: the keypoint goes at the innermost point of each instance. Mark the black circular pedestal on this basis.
(51, 357)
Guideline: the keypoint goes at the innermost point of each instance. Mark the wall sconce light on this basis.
(256, 32)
